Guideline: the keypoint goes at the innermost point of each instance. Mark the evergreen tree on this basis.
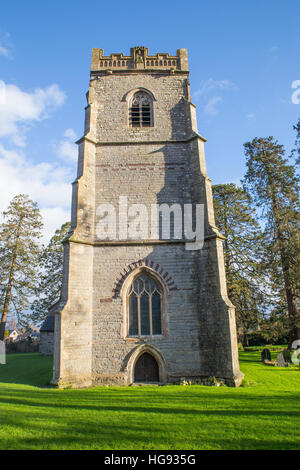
(50, 280)
(274, 186)
(297, 143)
(236, 219)
(275, 327)
(19, 255)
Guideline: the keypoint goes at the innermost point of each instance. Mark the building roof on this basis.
(48, 324)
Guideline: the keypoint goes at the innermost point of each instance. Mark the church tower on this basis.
(138, 305)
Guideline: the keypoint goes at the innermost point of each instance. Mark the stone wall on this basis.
(160, 164)
(22, 346)
(179, 343)
(110, 99)
(46, 345)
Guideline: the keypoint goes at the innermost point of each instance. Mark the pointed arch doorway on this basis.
(146, 369)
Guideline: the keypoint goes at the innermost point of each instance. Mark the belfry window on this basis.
(141, 110)
(144, 307)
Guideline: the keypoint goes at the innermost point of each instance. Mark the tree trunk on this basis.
(291, 302)
(10, 284)
(227, 251)
(245, 341)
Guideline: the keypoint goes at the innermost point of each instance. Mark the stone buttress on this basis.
(141, 144)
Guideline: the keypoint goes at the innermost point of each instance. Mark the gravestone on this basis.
(295, 344)
(280, 360)
(265, 355)
(296, 356)
(2, 353)
(287, 356)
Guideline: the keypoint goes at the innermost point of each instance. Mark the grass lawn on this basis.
(262, 414)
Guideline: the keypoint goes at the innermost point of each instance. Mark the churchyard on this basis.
(264, 413)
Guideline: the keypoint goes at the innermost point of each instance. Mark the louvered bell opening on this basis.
(146, 116)
(135, 116)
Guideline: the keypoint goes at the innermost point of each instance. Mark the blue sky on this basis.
(243, 57)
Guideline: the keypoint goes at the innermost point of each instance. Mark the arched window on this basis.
(144, 307)
(141, 110)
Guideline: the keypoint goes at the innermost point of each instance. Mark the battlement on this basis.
(139, 59)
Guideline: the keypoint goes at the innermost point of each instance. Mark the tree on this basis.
(275, 327)
(274, 187)
(297, 143)
(236, 219)
(12, 324)
(49, 286)
(19, 255)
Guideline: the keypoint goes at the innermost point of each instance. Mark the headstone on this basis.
(295, 344)
(287, 356)
(296, 356)
(280, 360)
(265, 355)
(2, 353)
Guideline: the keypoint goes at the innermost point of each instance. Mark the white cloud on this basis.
(4, 51)
(70, 134)
(5, 46)
(211, 84)
(44, 182)
(211, 106)
(67, 149)
(207, 91)
(19, 109)
(54, 218)
(250, 116)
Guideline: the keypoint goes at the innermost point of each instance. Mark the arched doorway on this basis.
(146, 369)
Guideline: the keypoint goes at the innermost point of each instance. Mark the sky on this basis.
(243, 59)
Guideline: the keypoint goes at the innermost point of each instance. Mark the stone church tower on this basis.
(144, 309)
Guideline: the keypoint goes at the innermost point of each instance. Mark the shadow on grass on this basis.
(27, 369)
(171, 417)
(170, 401)
(202, 430)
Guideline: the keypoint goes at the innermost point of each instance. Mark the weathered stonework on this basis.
(164, 163)
(46, 345)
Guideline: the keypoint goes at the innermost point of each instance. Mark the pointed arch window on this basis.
(145, 307)
(141, 110)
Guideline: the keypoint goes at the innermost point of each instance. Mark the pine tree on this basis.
(297, 143)
(274, 186)
(274, 327)
(236, 219)
(50, 280)
(19, 255)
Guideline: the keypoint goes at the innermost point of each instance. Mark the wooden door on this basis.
(146, 369)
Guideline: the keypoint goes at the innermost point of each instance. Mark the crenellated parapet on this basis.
(139, 59)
